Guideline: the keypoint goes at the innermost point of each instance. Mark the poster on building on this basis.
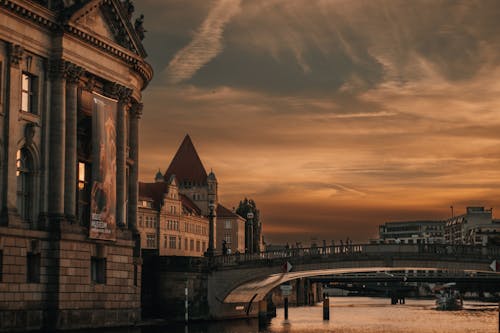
(103, 193)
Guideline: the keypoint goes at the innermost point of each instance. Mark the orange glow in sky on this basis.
(334, 116)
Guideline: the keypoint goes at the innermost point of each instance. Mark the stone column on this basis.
(57, 139)
(73, 74)
(9, 204)
(135, 114)
(121, 156)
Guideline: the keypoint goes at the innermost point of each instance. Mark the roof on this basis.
(225, 212)
(188, 205)
(186, 164)
(155, 191)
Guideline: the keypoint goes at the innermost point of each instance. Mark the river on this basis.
(358, 315)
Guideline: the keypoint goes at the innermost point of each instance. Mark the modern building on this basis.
(412, 232)
(170, 223)
(471, 227)
(231, 229)
(71, 76)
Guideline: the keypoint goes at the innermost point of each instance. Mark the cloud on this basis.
(206, 43)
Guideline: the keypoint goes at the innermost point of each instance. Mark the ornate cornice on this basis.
(47, 19)
(41, 16)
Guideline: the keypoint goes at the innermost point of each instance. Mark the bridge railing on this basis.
(362, 250)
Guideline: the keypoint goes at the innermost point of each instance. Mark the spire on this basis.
(159, 177)
(186, 164)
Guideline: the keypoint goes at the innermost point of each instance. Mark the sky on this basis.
(335, 116)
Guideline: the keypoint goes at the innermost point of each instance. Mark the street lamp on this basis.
(210, 251)
(250, 232)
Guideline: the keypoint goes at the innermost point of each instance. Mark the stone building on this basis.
(231, 229)
(170, 223)
(71, 75)
(186, 177)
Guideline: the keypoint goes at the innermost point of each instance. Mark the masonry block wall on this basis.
(61, 292)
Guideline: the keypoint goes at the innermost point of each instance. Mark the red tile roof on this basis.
(189, 206)
(186, 164)
(154, 191)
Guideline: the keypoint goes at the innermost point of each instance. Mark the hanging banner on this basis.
(103, 195)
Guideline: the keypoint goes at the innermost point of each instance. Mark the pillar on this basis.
(9, 196)
(262, 313)
(135, 114)
(326, 308)
(72, 74)
(121, 156)
(286, 307)
(57, 136)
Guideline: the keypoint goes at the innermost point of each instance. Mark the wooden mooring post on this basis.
(326, 308)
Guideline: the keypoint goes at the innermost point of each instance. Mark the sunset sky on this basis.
(333, 115)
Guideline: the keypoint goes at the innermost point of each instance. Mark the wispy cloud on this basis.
(206, 44)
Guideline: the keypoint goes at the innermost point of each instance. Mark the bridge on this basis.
(237, 283)
(232, 286)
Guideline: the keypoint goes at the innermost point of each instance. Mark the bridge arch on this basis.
(233, 285)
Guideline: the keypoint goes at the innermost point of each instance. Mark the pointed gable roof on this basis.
(186, 164)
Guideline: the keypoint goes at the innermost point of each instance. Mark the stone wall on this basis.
(65, 296)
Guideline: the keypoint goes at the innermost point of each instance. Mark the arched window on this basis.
(24, 164)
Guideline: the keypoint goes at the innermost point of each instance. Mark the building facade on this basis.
(471, 228)
(412, 232)
(231, 230)
(71, 76)
(187, 189)
(170, 223)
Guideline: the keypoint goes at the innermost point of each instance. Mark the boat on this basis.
(447, 298)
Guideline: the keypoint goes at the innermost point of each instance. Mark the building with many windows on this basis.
(411, 232)
(170, 224)
(473, 227)
(71, 76)
(182, 196)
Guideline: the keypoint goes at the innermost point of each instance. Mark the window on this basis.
(140, 220)
(151, 240)
(165, 242)
(33, 267)
(28, 96)
(1, 265)
(180, 239)
(227, 238)
(98, 270)
(204, 246)
(173, 240)
(24, 164)
(191, 245)
(198, 245)
(227, 224)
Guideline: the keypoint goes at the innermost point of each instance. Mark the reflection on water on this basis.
(357, 315)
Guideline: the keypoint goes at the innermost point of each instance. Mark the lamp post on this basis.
(250, 232)
(211, 216)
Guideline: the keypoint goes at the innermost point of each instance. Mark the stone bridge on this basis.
(236, 283)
